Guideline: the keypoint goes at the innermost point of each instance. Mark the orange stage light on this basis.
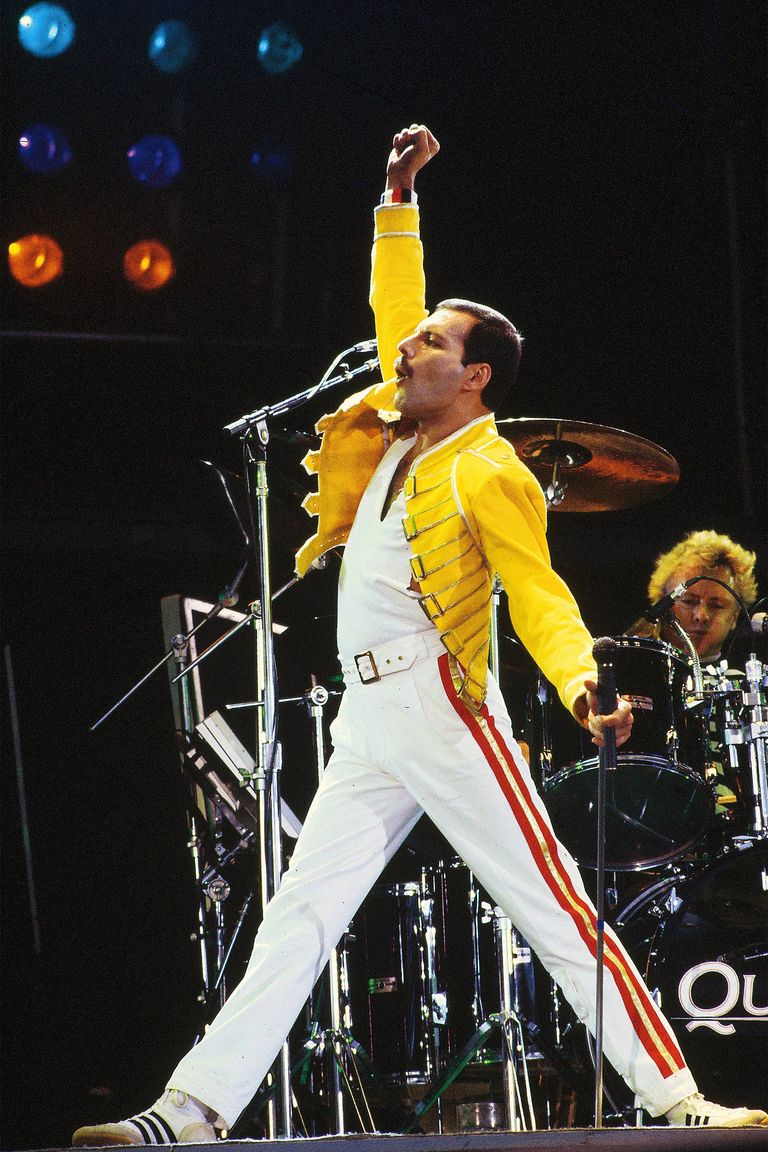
(148, 265)
(35, 260)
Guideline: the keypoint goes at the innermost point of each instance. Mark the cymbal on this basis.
(590, 467)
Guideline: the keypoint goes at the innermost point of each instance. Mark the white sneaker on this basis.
(694, 1112)
(175, 1118)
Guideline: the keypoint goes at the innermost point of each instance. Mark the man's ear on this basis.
(477, 377)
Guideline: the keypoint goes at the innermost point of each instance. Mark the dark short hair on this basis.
(493, 340)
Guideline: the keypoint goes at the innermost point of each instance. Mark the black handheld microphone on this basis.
(603, 651)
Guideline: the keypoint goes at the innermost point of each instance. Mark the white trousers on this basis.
(402, 746)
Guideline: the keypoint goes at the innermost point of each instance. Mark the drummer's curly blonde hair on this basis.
(711, 550)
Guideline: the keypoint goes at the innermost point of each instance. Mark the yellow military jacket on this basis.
(473, 509)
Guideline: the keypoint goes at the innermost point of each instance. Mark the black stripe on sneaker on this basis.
(144, 1129)
(168, 1132)
(154, 1128)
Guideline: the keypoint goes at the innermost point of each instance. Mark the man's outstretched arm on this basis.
(397, 281)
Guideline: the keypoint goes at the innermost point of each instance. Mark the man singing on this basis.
(430, 503)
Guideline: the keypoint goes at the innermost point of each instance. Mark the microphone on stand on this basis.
(661, 607)
(363, 346)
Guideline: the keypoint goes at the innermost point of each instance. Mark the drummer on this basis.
(706, 611)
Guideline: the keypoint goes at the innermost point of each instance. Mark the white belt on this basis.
(369, 667)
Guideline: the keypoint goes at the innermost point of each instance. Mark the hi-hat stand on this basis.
(511, 950)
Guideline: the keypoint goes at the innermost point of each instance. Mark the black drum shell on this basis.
(658, 804)
(701, 942)
(388, 990)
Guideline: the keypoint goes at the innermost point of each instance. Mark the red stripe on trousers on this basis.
(532, 840)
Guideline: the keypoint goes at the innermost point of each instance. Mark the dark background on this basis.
(601, 181)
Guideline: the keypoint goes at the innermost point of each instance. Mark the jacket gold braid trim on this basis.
(472, 507)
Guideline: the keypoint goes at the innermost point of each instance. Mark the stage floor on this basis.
(661, 1139)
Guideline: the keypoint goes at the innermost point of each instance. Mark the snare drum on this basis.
(658, 804)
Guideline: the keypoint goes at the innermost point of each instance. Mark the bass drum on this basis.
(702, 945)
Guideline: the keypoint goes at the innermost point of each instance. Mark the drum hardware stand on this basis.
(757, 733)
(470, 1049)
(180, 649)
(322, 1042)
(698, 680)
(506, 1021)
(508, 940)
(337, 1041)
(343, 1051)
(757, 727)
(435, 1008)
(510, 955)
(220, 982)
(561, 455)
(698, 695)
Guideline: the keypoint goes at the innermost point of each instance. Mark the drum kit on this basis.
(438, 989)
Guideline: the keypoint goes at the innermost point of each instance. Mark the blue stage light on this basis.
(154, 160)
(279, 49)
(172, 46)
(46, 30)
(272, 163)
(45, 149)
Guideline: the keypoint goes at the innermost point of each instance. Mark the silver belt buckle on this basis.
(366, 668)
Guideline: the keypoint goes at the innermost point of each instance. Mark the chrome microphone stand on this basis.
(603, 652)
(268, 753)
